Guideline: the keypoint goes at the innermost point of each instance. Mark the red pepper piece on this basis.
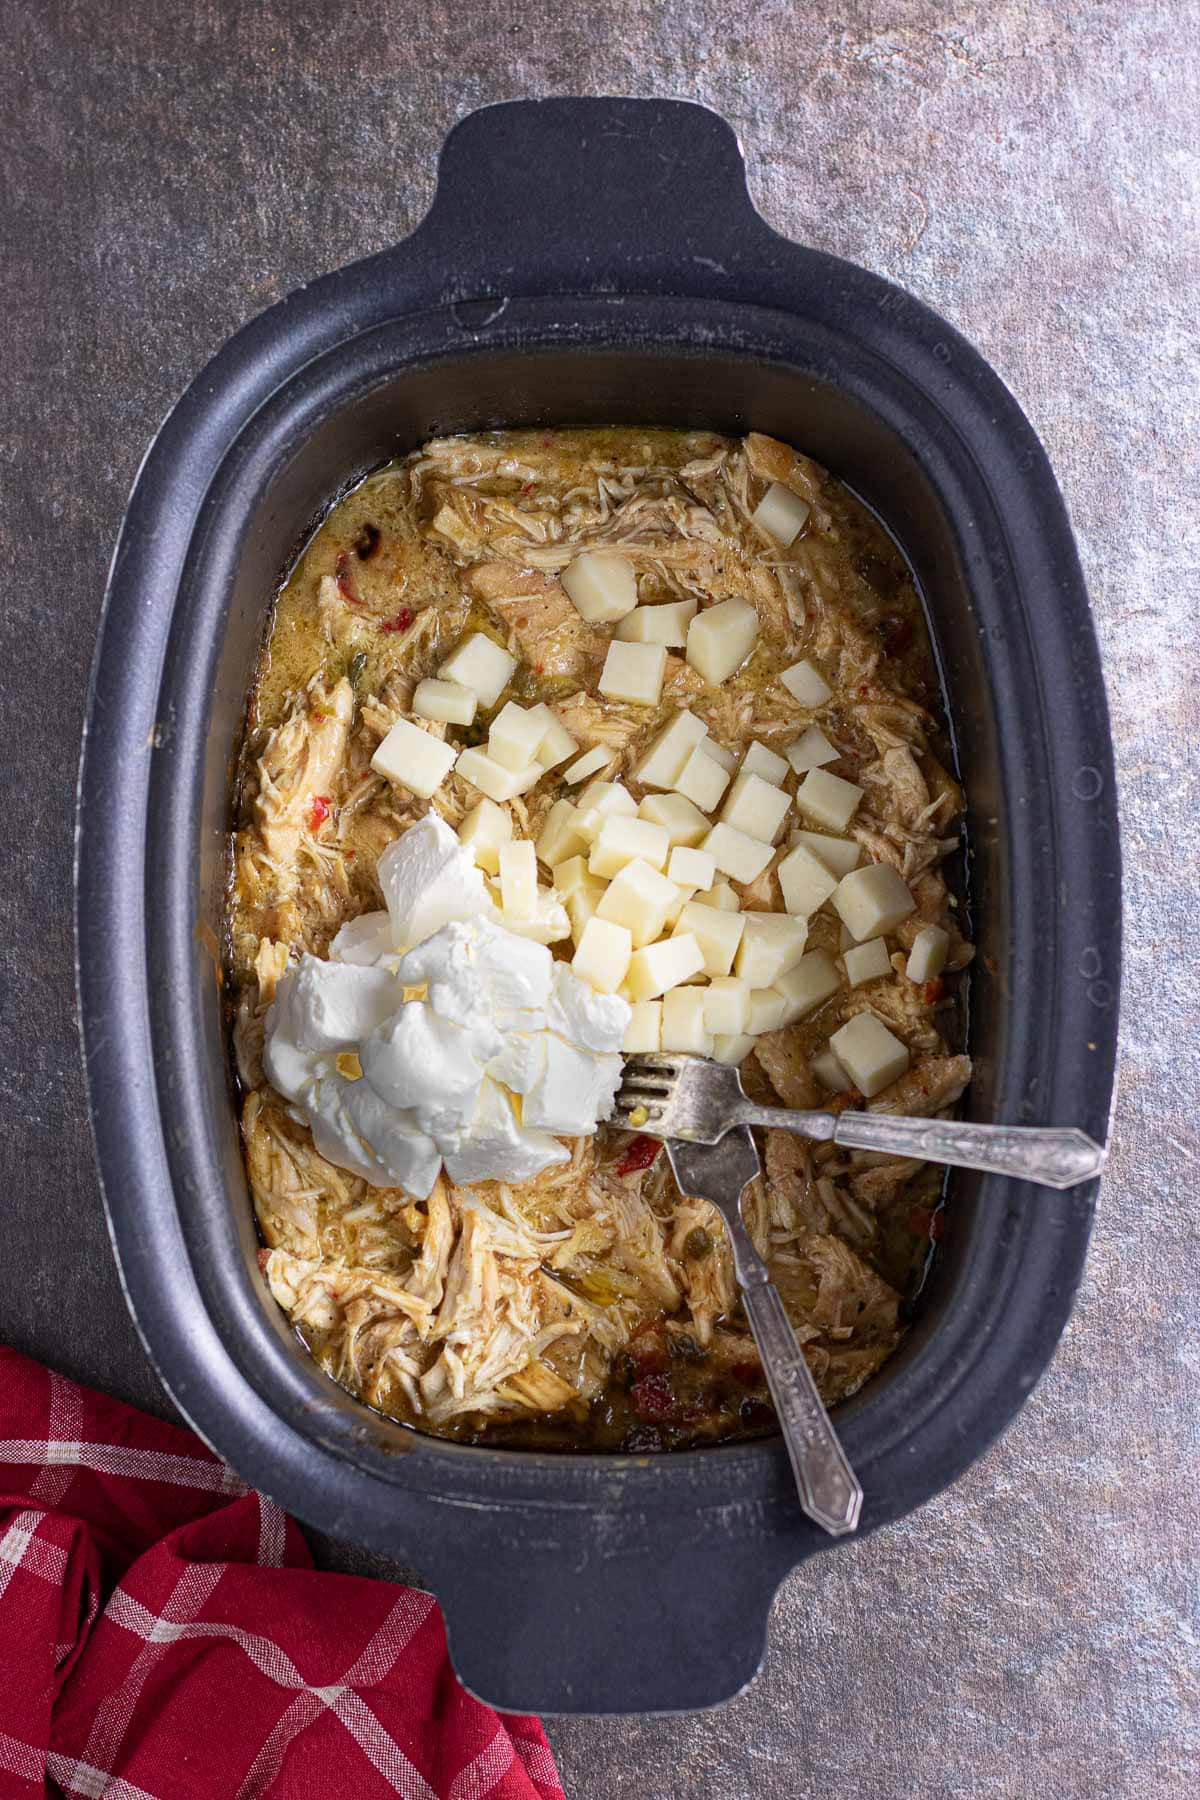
(343, 579)
(401, 622)
(320, 811)
(934, 990)
(640, 1154)
(653, 1399)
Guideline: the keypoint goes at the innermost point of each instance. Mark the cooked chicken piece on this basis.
(287, 1177)
(298, 767)
(548, 632)
(700, 1245)
(931, 1085)
(782, 1057)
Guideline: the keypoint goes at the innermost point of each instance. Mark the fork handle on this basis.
(1053, 1156)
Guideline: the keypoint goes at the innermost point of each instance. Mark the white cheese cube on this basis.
(518, 880)
(665, 624)
(758, 760)
(811, 750)
(557, 744)
(484, 829)
(640, 899)
(740, 857)
(717, 933)
(663, 761)
(720, 895)
(726, 1006)
(872, 901)
(771, 944)
(600, 585)
(481, 665)
(560, 836)
(721, 638)
(581, 906)
(702, 780)
(719, 754)
(683, 1027)
(490, 778)
(768, 1011)
(572, 875)
(756, 807)
(607, 797)
(515, 736)
(662, 966)
(691, 868)
(869, 1053)
(590, 763)
(810, 983)
(413, 759)
(681, 818)
(927, 958)
(732, 1050)
(781, 515)
(447, 701)
(602, 954)
(805, 882)
(830, 1073)
(828, 800)
(623, 840)
(839, 855)
(644, 1032)
(806, 684)
(633, 673)
(867, 962)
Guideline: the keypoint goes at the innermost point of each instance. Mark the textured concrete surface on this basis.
(1030, 168)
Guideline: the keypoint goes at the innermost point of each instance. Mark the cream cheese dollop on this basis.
(435, 1036)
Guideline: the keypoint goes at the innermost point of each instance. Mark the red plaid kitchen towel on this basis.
(164, 1634)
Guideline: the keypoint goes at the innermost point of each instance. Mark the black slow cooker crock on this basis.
(589, 261)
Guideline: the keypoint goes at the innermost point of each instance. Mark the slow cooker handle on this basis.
(594, 195)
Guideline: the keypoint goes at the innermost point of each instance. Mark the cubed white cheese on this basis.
(681, 818)
(560, 837)
(806, 684)
(771, 944)
(691, 868)
(867, 962)
(927, 958)
(498, 783)
(590, 763)
(830, 1073)
(518, 880)
(683, 1027)
(447, 701)
(758, 760)
(602, 954)
(484, 829)
(557, 744)
(781, 515)
(663, 761)
(572, 875)
(659, 967)
(481, 665)
(717, 933)
(623, 840)
(740, 857)
(702, 780)
(839, 855)
(726, 1006)
(413, 759)
(804, 881)
(768, 1011)
(756, 807)
(645, 1027)
(633, 673)
(515, 736)
(804, 987)
(828, 800)
(719, 754)
(665, 624)
(870, 1054)
(640, 899)
(811, 750)
(720, 895)
(732, 1050)
(872, 901)
(601, 585)
(721, 638)
(607, 797)
(581, 906)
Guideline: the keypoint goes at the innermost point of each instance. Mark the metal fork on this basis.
(689, 1098)
(828, 1487)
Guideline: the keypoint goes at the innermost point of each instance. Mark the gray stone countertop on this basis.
(1030, 168)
